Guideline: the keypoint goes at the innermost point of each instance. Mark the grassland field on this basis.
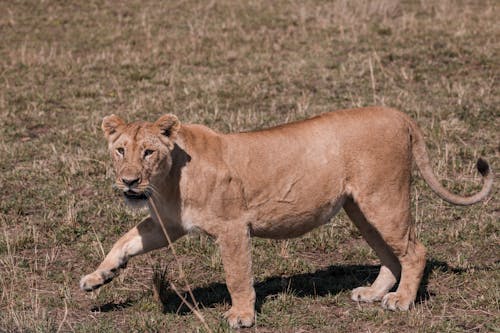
(238, 66)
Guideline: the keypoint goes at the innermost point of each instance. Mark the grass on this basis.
(238, 66)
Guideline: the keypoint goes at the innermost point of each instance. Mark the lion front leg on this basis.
(235, 247)
(146, 236)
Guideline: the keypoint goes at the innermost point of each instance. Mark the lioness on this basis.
(276, 183)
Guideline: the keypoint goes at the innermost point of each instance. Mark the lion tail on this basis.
(421, 158)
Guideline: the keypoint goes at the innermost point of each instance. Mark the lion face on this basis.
(140, 151)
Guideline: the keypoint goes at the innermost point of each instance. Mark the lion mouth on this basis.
(131, 195)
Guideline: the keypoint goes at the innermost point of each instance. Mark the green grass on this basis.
(238, 66)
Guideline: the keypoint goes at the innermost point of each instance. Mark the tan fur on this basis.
(277, 183)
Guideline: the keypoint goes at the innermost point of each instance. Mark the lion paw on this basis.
(394, 301)
(366, 294)
(240, 319)
(95, 280)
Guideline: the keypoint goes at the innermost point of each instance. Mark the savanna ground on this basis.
(238, 66)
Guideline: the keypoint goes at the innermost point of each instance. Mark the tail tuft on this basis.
(483, 167)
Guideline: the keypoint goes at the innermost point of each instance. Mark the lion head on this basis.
(140, 151)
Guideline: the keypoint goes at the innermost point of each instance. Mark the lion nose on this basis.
(131, 182)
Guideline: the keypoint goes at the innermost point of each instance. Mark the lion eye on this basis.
(148, 152)
(120, 151)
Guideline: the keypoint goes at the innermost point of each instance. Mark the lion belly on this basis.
(285, 222)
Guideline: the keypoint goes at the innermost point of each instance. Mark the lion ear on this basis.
(169, 125)
(110, 124)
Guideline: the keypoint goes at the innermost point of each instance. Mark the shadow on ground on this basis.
(329, 281)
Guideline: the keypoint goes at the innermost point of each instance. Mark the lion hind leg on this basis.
(390, 269)
(413, 265)
(390, 220)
